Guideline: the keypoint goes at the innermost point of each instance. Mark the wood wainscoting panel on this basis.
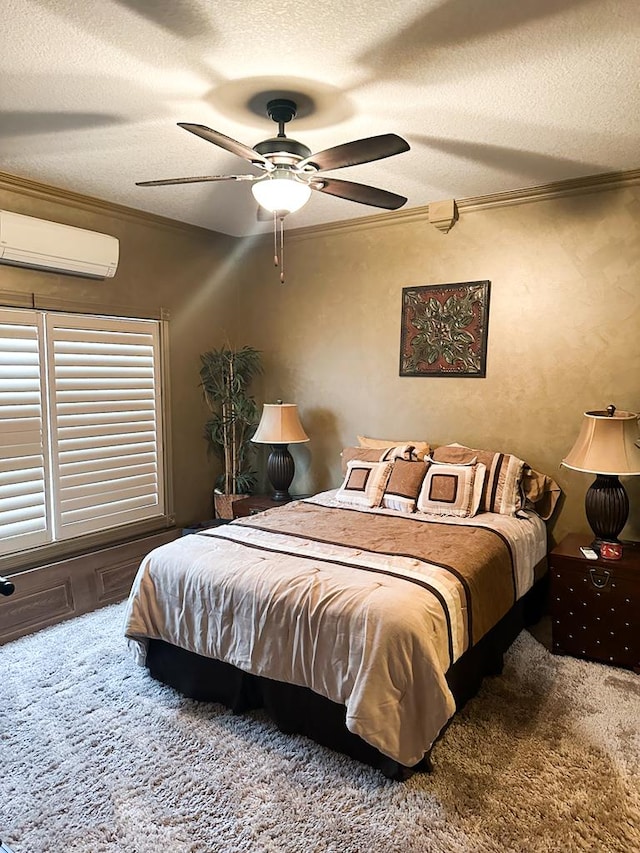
(114, 582)
(57, 591)
(20, 613)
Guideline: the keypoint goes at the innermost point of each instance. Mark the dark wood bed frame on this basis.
(298, 710)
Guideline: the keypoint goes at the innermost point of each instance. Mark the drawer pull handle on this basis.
(599, 581)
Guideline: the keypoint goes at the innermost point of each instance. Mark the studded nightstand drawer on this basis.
(595, 610)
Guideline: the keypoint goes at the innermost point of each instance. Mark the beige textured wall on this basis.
(564, 334)
(564, 328)
(186, 271)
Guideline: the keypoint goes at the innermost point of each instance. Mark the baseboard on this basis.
(57, 591)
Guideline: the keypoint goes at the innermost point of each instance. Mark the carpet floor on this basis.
(96, 756)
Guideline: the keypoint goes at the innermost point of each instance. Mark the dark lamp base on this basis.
(607, 508)
(280, 471)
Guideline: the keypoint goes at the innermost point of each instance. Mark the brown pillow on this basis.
(501, 491)
(422, 448)
(359, 454)
(403, 485)
(541, 493)
(378, 454)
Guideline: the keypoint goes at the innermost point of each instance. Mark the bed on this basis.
(362, 626)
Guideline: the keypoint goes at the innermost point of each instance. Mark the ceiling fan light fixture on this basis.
(281, 192)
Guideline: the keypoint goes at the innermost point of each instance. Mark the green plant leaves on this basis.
(225, 375)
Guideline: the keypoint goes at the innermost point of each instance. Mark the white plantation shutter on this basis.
(23, 461)
(106, 444)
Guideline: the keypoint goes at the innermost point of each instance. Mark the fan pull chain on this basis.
(282, 250)
(278, 258)
(275, 238)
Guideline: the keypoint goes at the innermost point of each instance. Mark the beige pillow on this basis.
(422, 448)
(452, 490)
(502, 485)
(364, 483)
(377, 454)
(403, 486)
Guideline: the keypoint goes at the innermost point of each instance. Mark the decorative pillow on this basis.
(452, 490)
(398, 451)
(403, 485)
(473, 460)
(358, 454)
(501, 492)
(364, 483)
(422, 448)
(377, 454)
(540, 492)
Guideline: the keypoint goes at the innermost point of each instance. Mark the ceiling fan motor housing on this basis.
(279, 149)
(283, 145)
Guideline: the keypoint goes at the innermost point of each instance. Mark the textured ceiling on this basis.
(491, 95)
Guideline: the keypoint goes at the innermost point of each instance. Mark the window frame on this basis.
(33, 556)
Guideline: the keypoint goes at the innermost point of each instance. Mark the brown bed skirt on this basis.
(298, 710)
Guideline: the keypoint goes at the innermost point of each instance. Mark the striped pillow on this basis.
(502, 485)
(452, 490)
(364, 483)
(403, 486)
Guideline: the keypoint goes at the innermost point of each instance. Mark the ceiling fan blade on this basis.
(358, 151)
(168, 181)
(359, 192)
(227, 143)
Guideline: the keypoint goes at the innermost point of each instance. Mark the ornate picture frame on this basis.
(444, 329)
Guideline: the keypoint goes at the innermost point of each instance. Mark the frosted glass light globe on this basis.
(281, 192)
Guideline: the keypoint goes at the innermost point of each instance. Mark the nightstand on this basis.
(595, 604)
(253, 504)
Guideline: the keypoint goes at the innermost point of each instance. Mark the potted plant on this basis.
(225, 376)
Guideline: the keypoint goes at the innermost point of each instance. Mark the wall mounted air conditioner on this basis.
(29, 242)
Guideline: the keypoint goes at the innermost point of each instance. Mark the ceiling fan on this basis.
(283, 159)
(288, 171)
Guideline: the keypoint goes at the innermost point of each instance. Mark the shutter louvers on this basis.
(23, 464)
(105, 415)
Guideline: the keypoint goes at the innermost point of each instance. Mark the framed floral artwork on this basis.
(444, 329)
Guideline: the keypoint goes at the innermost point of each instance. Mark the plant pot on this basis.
(223, 504)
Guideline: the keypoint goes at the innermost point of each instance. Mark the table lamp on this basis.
(607, 446)
(280, 426)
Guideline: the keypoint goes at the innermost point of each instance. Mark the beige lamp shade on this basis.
(280, 424)
(606, 444)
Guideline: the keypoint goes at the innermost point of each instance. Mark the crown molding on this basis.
(58, 195)
(558, 189)
(528, 195)
(363, 223)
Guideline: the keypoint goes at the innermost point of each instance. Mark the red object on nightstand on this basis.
(611, 551)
